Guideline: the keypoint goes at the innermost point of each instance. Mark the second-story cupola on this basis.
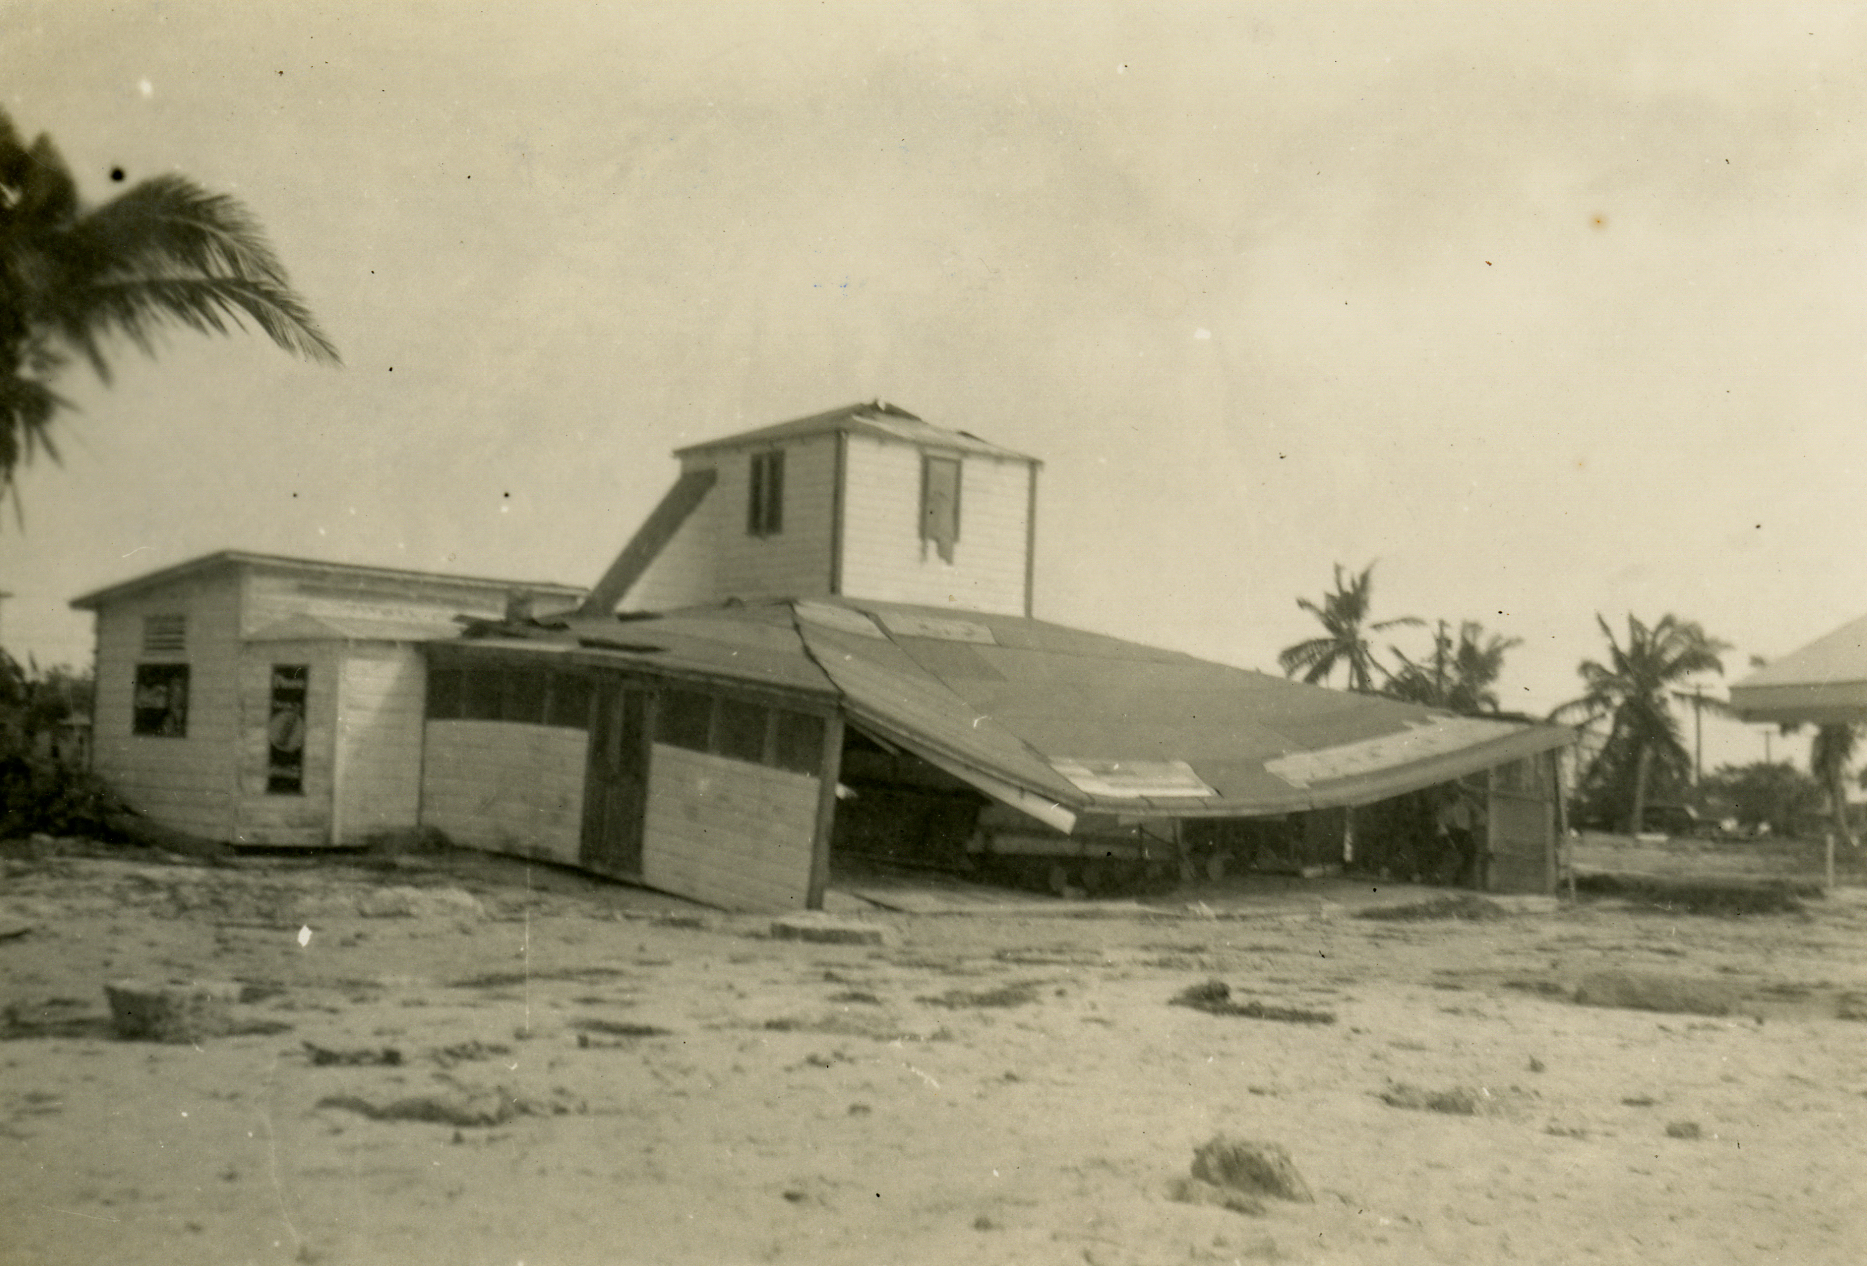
(867, 501)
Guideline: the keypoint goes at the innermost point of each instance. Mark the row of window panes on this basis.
(734, 728)
(532, 696)
(740, 730)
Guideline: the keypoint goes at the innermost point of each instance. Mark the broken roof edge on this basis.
(877, 419)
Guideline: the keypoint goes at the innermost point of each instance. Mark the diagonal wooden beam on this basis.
(649, 540)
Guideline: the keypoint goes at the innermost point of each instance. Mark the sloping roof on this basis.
(748, 645)
(876, 419)
(311, 567)
(1823, 681)
(1053, 718)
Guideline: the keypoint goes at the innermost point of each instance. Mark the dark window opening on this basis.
(161, 701)
(765, 495)
(940, 503)
(683, 718)
(445, 686)
(742, 731)
(524, 696)
(482, 696)
(285, 730)
(799, 745)
(569, 705)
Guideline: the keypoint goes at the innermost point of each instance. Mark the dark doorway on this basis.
(616, 786)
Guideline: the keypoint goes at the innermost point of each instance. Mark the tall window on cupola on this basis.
(765, 496)
(940, 503)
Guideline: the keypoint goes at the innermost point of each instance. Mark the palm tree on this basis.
(1634, 688)
(1829, 754)
(164, 252)
(1344, 617)
(1460, 675)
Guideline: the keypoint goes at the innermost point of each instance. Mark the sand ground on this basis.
(1001, 1081)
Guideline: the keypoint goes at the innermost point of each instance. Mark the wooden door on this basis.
(616, 786)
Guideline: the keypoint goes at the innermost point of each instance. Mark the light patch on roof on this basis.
(1421, 740)
(842, 619)
(1132, 779)
(901, 624)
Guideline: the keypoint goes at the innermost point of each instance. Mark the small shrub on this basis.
(39, 796)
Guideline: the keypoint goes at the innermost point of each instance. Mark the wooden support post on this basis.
(826, 811)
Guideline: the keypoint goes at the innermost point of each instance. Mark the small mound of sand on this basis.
(1461, 905)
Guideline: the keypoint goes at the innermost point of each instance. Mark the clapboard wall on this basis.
(712, 556)
(884, 557)
(727, 832)
(186, 782)
(506, 787)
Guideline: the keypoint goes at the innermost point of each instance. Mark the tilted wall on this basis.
(727, 832)
(506, 787)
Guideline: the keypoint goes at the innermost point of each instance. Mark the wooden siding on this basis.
(271, 597)
(505, 787)
(728, 833)
(296, 821)
(379, 734)
(712, 557)
(884, 558)
(187, 783)
(1521, 826)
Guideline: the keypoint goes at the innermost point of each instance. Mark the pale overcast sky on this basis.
(1550, 311)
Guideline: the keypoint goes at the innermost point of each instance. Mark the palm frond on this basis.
(135, 306)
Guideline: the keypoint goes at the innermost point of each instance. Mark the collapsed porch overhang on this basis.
(1062, 724)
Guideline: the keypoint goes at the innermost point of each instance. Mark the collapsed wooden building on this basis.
(821, 644)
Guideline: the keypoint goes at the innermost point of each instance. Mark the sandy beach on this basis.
(453, 1058)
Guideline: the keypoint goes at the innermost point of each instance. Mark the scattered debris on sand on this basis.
(1009, 996)
(1215, 998)
(1238, 1174)
(1656, 991)
(827, 929)
(1465, 906)
(324, 1056)
(1730, 897)
(463, 1107)
(171, 1011)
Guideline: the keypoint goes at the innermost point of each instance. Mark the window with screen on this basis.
(161, 701)
(285, 730)
(940, 503)
(765, 495)
(684, 718)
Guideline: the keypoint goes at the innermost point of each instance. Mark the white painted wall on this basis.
(712, 557)
(298, 821)
(727, 832)
(378, 754)
(189, 783)
(884, 558)
(506, 787)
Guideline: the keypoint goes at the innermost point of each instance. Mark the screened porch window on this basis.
(161, 701)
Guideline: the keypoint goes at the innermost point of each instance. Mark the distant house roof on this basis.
(311, 567)
(1061, 722)
(877, 419)
(1823, 681)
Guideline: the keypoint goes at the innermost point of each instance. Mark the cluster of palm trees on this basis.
(1632, 689)
(1459, 674)
(165, 252)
